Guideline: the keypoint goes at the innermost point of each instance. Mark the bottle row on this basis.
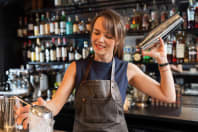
(147, 19)
(53, 24)
(55, 51)
(180, 49)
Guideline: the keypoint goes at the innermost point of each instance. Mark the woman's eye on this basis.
(108, 36)
(96, 33)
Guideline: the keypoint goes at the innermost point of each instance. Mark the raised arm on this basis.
(64, 90)
(164, 91)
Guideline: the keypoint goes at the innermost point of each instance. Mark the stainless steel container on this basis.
(160, 31)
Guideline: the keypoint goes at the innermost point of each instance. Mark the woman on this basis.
(101, 82)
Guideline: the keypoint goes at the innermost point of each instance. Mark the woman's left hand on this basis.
(158, 52)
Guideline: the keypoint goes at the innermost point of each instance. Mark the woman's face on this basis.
(102, 41)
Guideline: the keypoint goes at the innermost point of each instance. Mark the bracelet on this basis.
(162, 65)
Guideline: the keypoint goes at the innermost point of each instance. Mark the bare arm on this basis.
(164, 91)
(64, 90)
(176, 68)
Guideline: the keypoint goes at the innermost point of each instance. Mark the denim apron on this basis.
(98, 105)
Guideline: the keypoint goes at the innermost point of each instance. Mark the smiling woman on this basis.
(101, 81)
(108, 28)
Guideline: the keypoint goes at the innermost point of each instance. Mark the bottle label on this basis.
(75, 28)
(20, 33)
(180, 50)
(42, 29)
(47, 28)
(36, 30)
(52, 55)
(69, 29)
(52, 28)
(71, 56)
(57, 2)
(37, 50)
(47, 53)
(58, 52)
(64, 52)
(81, 28)
(29, 54)
(33, 56)
(62, 26)
(57, 30)
(88, 27)
(42, 57)
(127, 57)
(30, 27)
(78, 56)
(169, 49)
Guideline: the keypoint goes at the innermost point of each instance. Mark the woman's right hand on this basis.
(22, 113)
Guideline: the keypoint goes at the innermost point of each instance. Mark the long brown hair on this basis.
(114, 24)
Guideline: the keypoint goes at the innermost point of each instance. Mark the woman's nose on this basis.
(101, 38)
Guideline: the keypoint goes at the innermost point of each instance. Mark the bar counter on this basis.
(150, 119)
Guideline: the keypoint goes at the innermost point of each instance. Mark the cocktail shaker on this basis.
(40, 119)
(160, 31)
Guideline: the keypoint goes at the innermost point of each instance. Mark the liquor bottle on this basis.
(42, 53)
(191, 15)
(52, 25)
(33, 53)
(64, 51)
(163, 14)
(169, 49)
(53, 51)
(185, 23)
(47, 52)
(57, 24)
(137, 56)
(25, 27)
(196, 17)
(20, 29)
(63, 23)
(85, 50)
(138, 17)
(75, 25)
(174, 59)
(37, 50)
(127, 54)
(47, 24)
(145, 19)
(29, 50)
(186, 52)
(36, 25)
(127, 25)
(57, 3)
(58, 50)
(81, 27)
(78, 54)
(42, 25)
(30, 26)
(24, 52)
(71, 56)
(154, 16)
(180, 48)
(133, 21)
(88, 26)
(192, 52)
(69, 26)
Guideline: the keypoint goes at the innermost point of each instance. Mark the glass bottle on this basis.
(52, 25)
(29, 50)
(47, 24)
(192, 52)
(33, 53)
(191, 15)
(75, 25)
(81, 27)
(57, 24)
(174, 58)
(145, 19)
(71, 56)
(88, 25)
(64, 51)
(24, 52)
(78, 54)
(69, 26)
(57, 3)
(42, 53)
(58, 50)
(53, 51)
(169, 49)
(185, 23)
(20, 29)
(63, 23)
(85, 50)
(37, 50)
(47, 52)
(180, 48)
(186, 53)
(154, 16)
(30, 26)
(25, 27)
(42, 25)
(36, 25)
(196, 17)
